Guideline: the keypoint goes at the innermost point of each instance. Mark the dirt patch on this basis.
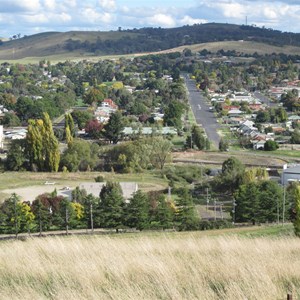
(30, 193)
(219, 157)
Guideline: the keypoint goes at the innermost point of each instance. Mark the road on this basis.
(203, 115)
(265, 100)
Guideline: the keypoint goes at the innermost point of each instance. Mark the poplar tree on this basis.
(69, 122)
(42, 145)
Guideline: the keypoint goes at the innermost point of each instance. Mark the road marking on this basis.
(199, 106)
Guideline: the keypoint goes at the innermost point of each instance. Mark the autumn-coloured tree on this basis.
(42, 145)
(93, 128)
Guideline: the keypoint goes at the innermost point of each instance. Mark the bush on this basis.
(271, 146)
(99, 178)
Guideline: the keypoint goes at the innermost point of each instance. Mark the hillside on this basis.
(145, 40)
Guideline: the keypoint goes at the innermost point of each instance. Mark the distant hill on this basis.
(87, 43)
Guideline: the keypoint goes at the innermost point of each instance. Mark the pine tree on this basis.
(111, 206)
(137, 211)
(113, 129)
(186, 215)
(164, 215)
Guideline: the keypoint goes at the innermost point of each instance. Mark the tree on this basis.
(42, 214)
(42, 145)
(259, 201)
(111, 206)
(17, 215)
(295, 138)
(160, 153)
(94, 128)
(173, 113)
(69, 123)
(223, 145)
(164, 214)
(198, 138)
(113, 129)
(232, 174)
(77, 156)
(16, 157)
(93, 96)
(186, 214)
(137, 211)
(270, 145)
(247, 203)
(81, 118)
(296, 221)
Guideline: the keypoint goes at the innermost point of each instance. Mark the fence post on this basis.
(289, 297)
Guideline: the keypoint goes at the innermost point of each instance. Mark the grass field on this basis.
(224, 264)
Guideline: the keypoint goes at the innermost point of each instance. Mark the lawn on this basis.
(223, 264)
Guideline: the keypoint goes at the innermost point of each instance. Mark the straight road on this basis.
(264, 99)
(203, 115)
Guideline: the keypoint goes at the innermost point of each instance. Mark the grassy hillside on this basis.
(151, 266)
(213, 37)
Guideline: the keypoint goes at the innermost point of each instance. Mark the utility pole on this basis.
(233, 210)
(215, 209)
(67, 219)
(207, 199)
(283, 205)
(277, 211)
(91, 216)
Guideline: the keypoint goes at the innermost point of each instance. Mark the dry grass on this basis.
(164, 266)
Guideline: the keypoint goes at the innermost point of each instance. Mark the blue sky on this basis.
(33, 16)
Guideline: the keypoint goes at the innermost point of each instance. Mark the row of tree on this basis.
(109, 210)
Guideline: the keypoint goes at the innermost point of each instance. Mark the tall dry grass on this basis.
(178, 266)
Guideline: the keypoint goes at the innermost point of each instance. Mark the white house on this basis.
(290, 174)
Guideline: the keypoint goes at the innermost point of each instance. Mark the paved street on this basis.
(201, 111)
(265, 100)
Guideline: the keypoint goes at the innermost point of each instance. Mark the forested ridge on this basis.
(143, 40)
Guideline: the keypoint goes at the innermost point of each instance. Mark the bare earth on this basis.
(30, 193)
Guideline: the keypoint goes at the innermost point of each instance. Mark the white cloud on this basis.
(34, 19)
(50, 4)
(161, 20)
(70, 3)
(94, 17)
(187, 20)
(108, 5)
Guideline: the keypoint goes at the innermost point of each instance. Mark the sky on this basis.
(28, 17)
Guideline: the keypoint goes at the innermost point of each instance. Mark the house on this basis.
(290, 174)
(94, 188)
(109, 103)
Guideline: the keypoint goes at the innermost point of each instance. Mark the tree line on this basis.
(109, 210)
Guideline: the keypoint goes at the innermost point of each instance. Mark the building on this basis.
(290, 174)
(94, 188)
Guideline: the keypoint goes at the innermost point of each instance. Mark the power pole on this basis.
(91, 216)
(215, 209)
(283, 205)
(233, 211)
(207, 199)
(67, 220)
